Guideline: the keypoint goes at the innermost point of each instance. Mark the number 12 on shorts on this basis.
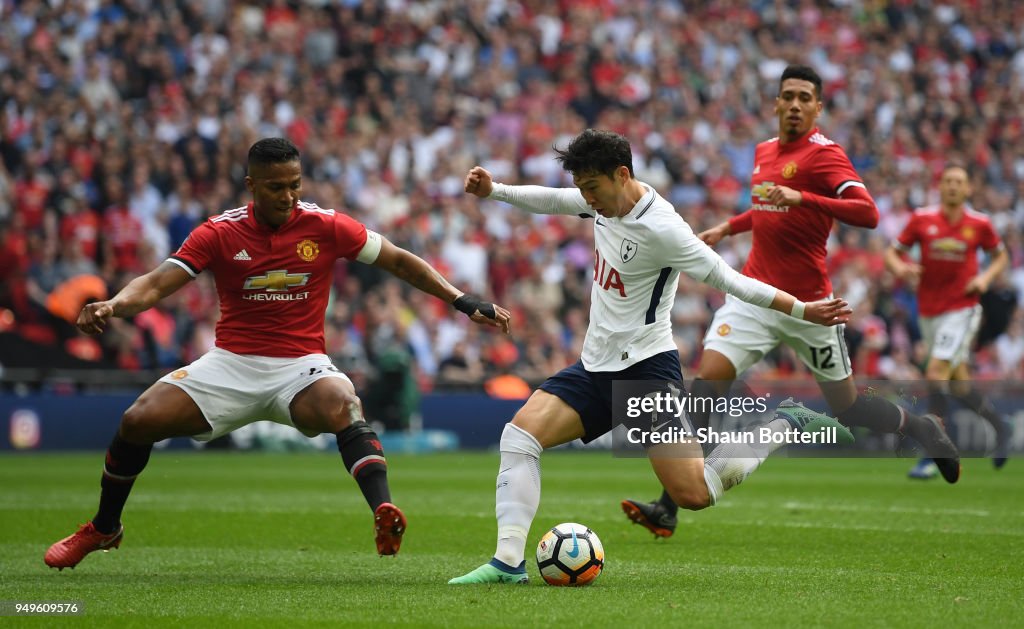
(822, 357)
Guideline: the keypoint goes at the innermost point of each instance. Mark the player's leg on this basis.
(694, 482)
(163, 411)
(739, 335)
(953, 338)
(544, 421)
(962, 389)
(715, 374)
(881, 415)
(937, 375)
(330, 405)
(824, 351)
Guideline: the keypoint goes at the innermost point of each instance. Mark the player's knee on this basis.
(347, 411)
(137, 425)
(938, 370)
(694, 498)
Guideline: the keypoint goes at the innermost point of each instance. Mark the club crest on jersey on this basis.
(968, 232)
(308, 250)
(724, 329)
(180, 374)
(276, 281)
(789, 170)
(628, 249)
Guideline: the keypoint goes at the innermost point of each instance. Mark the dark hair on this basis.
(596, 152)
(804, 73)
(272, 151)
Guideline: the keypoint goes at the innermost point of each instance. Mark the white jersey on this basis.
(636, 272)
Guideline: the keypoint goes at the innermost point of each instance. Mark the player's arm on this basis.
(418, 273)
(688, 253)
(848, 201)
(999, 259)
(535, 199)
(909, 272)
(140, 294)
(854, 207)
(895, 255)
(736, 225)
(823, 312)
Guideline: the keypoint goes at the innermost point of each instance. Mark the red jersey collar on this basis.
(266, 228)
(788, 146)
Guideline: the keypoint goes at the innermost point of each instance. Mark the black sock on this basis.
(667, 502)
(364, 459)
(983, 407)
(124, 462)
(938, 403)
(875, 413)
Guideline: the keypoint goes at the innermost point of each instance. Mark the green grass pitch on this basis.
(216, 539)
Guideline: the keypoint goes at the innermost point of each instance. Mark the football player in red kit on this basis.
(949, 288)
(801, 183)
(272, 261)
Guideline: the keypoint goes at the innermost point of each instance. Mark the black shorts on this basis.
(589, 393)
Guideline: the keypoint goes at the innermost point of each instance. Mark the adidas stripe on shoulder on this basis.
(237, 214)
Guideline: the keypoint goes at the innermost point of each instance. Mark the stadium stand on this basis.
(122, 124)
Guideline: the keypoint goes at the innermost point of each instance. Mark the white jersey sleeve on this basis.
(543, 200)
(690, 255)
(753, 291)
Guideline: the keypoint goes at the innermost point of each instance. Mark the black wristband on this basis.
(468, 304)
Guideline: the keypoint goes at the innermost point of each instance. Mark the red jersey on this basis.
(949, 256)
(789, 243)
(273, 284)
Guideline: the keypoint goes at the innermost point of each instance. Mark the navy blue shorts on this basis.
(589, 393)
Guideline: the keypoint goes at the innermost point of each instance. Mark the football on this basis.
(570, 554)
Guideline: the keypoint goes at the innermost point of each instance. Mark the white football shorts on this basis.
(949, 335)
(744, 333)
(233, 390)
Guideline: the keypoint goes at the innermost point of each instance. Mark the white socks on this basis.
(518, 493)
(730, 463)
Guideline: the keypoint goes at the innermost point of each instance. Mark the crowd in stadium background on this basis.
(125, 123)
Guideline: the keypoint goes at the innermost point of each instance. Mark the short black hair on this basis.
(272, 151)
(804, 73)
(596, 152)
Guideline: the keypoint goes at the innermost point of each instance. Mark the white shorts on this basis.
(233, 390)
(744, 333)
(950, 334)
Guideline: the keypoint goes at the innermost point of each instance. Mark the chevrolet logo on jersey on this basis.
(276, 281)
(761, 190)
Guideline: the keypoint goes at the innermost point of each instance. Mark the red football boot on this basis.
(388, 527)
(69, 551)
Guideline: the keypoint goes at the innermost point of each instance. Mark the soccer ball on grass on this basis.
(570, 554)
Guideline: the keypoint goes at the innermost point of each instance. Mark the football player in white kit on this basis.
(642, 245)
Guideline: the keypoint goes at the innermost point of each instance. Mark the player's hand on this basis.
(976, 286)
(784, 196)
(828, 311)
(93, 318)
(712, 236)
(502, 319)
(479, 182)
(911, 274)
(484, 312)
